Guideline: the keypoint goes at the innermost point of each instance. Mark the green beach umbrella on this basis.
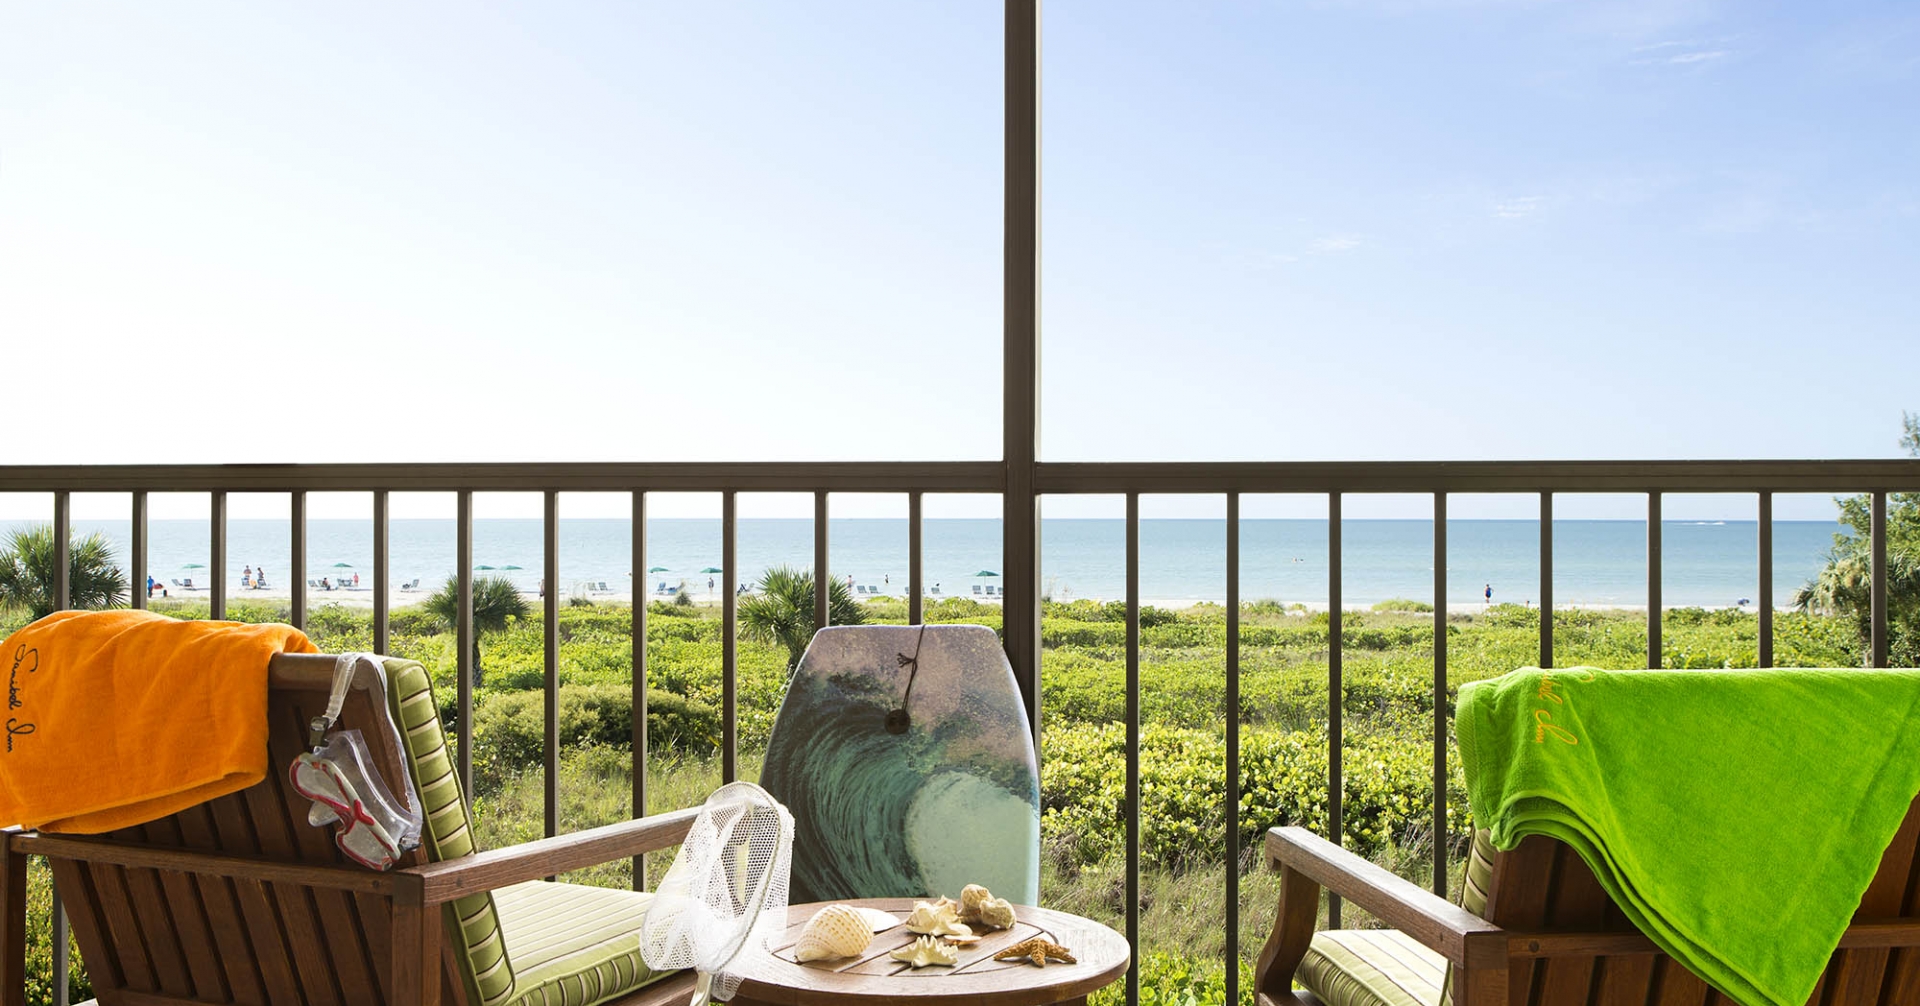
(487, 568)
(509, 567)
(986, 572)
(713, 569)
(343, 565)
(658, 569)
(193, 565)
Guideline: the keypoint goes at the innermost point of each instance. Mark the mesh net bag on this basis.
(726, 892)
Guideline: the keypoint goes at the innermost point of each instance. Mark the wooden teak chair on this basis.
(238, 900)
(1537, 929)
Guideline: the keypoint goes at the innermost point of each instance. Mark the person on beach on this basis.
(246, 577)
(1489, 595)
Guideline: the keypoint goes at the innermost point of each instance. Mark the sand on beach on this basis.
(362, 597)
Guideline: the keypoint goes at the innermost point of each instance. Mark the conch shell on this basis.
(980, 907)
(834, 931)
(927, 950)
(936, 918)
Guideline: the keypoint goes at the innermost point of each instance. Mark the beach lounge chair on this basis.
(1535, 927)
(238, 900)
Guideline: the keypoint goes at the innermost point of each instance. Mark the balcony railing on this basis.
(1759, 479)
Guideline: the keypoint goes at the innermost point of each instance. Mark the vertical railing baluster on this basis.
(382, 572)
(463, 633)
(729, 640)
(550, 616)
(297, 576)
(638, 637)
(1336, 698)
(1233, 748)
(822, 576)
(62, 599)
(1440, 694)
(1766, 579)
(138, 584)
(1655, 652)
(1878, 588)
(217, 587)
(1546, 579)
(1132, 727)
(915, 605)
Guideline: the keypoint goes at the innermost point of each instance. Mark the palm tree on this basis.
(1844, 586)
(26, 572)
(496, 603)
(781, 610)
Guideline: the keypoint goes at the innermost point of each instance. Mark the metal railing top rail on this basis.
(1056, 477)
(571, 476)
(1787, 476)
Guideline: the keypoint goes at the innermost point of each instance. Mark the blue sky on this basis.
(670, 231)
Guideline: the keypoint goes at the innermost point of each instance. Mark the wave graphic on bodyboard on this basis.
(953, 800)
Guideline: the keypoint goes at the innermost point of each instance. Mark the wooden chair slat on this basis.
(83, 915)
(1623, 980)
(236, 958)
(116, 911)
(304, 937)
(1577, 902)
(1676, 986)
(1517, 903)
(150, 911)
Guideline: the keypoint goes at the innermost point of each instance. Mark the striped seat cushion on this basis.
(448, 834)
(572, 945)
(1371, 967)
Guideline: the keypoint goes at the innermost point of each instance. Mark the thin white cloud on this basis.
(1684, 52)
(1515, 209)
(1334, 244)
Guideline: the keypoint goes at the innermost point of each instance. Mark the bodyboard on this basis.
(946, 795)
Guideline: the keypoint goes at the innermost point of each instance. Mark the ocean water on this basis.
(1595, 562)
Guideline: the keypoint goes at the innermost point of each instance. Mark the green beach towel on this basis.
(1736, 817)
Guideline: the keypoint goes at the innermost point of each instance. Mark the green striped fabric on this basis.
(1371, 967)
(572, 945)
(448, 834)
(1473, 891)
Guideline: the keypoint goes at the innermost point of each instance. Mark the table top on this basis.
(875, 979)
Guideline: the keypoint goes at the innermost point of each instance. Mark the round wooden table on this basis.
(875, 979)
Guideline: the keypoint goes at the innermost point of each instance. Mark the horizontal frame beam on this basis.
(1809, 476)
(880, 476)
(1850, 476)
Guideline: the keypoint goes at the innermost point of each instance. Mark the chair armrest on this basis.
(1457, 934)
(486, 871)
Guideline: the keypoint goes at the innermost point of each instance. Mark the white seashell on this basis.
(936, 918)
(877, 920)
(997, 913)
(834, 931)
(926, 950)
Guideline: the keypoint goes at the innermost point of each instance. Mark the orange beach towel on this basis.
(116, 718)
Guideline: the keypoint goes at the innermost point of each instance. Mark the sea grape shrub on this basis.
(1386, 786)
(509, 728)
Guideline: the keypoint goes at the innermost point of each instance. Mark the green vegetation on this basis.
(1843, 587)
(27, 571)
(497, 604)
(1387, 713)
(780, 610)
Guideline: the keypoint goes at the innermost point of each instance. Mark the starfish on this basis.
(1037, 950)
